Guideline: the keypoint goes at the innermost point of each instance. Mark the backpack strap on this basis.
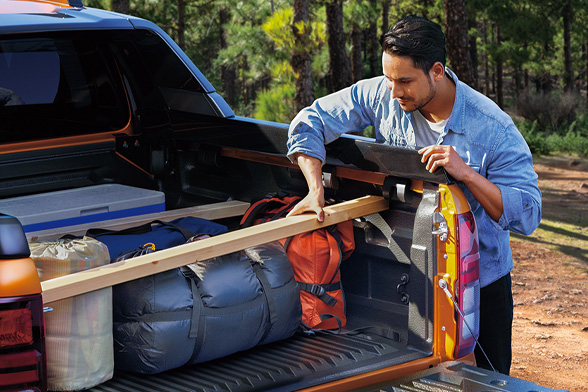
(320, 291)
(259, 210)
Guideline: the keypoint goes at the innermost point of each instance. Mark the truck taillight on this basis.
(22, 344)
(16, 327)
(468, 286)
(22, 324)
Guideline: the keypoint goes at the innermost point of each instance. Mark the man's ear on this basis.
(437, 71)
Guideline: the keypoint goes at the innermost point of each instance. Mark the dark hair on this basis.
(418, 38)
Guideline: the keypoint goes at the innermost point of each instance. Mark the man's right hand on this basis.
(311, 203)
(315, 200)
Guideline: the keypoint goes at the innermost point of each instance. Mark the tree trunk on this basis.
(569, 69)
(300, 60)
(122, 6)
(499, 90)
(375, 54)
(586, 73)
(339, 67)
(473, 47)
(385, 16)
(456, 35)
(228, 74)
(517, 71)
(181, 29)
(486, 61)
(356, 53)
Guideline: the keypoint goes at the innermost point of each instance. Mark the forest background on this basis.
(269, 59)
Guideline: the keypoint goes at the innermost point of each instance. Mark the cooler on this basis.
(82, 205)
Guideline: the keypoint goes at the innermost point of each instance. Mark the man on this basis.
(419, 103)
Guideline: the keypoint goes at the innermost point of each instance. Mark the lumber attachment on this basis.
(163, 260)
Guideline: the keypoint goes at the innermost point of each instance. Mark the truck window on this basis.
(58, 85)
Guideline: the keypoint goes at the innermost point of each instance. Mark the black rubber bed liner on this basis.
(299, 362)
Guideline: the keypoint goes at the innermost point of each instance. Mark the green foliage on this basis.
(572, 139)
(536, 139)
(279, 27)
(259, 42)
(359, 13)
(276, 104)
(553, 112)
(101, 4)
(432, 9)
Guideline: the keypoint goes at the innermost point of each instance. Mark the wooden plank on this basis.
(97, 278)
(209, 211)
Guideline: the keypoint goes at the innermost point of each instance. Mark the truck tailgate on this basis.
(458, 377)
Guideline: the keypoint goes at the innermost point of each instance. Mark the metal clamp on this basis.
(443, 230)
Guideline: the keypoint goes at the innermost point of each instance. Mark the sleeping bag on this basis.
(205, 310)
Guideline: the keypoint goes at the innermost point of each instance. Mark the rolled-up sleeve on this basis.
(514, 175)
(348, 110)
(306, 140)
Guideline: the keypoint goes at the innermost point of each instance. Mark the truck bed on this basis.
(376, 336)
(299, 362)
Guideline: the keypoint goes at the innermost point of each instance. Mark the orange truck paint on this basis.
(18, 277)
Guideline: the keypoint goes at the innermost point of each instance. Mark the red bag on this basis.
(316, 259)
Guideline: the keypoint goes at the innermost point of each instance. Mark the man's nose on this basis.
(396, 89)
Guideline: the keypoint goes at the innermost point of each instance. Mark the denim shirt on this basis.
(483, 135)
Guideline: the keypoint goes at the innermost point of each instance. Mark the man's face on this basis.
(410, 86)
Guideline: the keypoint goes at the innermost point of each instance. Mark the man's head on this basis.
(414, 64)
(418, 38)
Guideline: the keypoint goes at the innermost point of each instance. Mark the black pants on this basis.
(496, 315)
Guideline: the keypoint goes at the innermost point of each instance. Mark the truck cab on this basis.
(91, 97)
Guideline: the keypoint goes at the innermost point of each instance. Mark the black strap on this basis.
(332, 230)
(379, 331)
(307, 329)
(196, 303)
(269, 296)
(196, 307)
(320, 291)
(141, 229)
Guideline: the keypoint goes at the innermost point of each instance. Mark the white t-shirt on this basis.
(426, 132)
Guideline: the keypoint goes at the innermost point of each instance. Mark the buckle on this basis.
(317, 290)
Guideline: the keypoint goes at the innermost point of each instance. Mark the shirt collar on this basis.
(456, 121)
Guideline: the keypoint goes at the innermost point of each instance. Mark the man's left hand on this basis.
(436, 156)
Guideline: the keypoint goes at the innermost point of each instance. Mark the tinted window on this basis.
(58, 86)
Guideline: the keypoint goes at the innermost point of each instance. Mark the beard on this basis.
(420, 103)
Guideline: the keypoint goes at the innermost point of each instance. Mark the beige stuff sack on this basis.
(79, 329)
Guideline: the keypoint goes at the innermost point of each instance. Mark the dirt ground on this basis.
(550, 282)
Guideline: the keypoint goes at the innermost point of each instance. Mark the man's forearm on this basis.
(487, 194)
(313, 173)
(312, 170)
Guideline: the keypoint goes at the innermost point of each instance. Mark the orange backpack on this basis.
(316, 260)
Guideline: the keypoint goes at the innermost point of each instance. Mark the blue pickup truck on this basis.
(91, 97)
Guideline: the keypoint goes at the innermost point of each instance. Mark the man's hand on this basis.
(487, 193)
(315, 200)
(436, 156)
(311, 203)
